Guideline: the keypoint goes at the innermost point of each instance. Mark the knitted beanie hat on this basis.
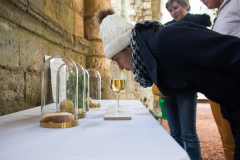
(115, 31)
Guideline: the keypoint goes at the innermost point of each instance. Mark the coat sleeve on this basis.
(195, 44)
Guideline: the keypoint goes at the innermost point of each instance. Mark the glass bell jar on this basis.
(59, 96)
(94, 88)
(81, 92)
(87, 90)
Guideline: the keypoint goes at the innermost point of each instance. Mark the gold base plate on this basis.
(87, 109)
(81, 115)
(59, 125)
(95, 106)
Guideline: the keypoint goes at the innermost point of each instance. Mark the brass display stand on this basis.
(59, 125)
(95, 106)
(83, 115)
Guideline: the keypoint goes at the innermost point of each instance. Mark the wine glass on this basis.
(117, 84)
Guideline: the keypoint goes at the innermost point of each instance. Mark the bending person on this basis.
(179, 58)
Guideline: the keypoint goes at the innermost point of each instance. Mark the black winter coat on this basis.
(200, 19)
(185, 57)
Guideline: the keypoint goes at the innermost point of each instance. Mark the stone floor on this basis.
(211, 145)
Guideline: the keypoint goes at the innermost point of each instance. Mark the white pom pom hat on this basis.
(115, 32)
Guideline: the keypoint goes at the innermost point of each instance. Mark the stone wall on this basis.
(138, 10)
(30, 29)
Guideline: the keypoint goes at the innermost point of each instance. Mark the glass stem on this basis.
(117, 102)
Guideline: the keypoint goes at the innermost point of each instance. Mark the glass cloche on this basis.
(59, 96)
(94, 88)
(81, 92)
(87, 90)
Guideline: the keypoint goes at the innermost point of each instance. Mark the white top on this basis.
(141, 138)
(227, 20)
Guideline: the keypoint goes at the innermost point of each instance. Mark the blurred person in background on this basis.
(181, 109)
(227, 21)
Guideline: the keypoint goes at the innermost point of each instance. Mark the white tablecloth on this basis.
(142, 138)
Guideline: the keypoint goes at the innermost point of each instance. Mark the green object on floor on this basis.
(161, 103)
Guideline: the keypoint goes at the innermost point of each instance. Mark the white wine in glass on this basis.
(117, 85)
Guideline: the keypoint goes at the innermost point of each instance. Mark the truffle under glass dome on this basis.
(81, 92)
(94, 88)
(59, 84)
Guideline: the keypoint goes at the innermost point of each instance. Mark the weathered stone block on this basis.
(131, 6)
(52, 36)
(129, 75)
(101, 64)
(131, 1)
(32, 50)
(96, 48)
(113, 96)
(139, 14)
(28, 88)
(132, 96)
(125, 74)
(11, 87)
(66, 19)
(78, 6)
(76, 57)
(132, 12)
(81, 45)
(132, 18)
(92, 6)
(71, 54)
(36, 89)
(82, 60)
(69, 3)
(54, 50)
(137, 87)
(147, 5)
(122, 96)
(148, 18)
(32, 24)
(11, 12)
(106, 92)
(9, 44)
(127, 86)
(138, 19)
(39, 13)
(148, 12)
(20, 3)
(79, 25)
(52, 9)
(91, 30)
(124, 91)
(131, 86)
(39, 4)
(67, 40)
